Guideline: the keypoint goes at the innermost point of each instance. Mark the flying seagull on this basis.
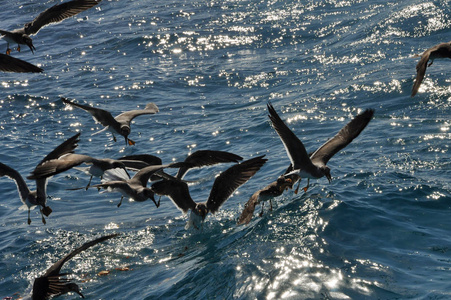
(11, 64)
(38, 197)
(223, 187)
(116, 125)
(314, 165)
(53, 283)
(442, 50)
(54, 14)
(66, 162)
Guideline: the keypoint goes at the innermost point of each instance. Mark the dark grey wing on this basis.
(177, 191)
(128, 116)
(140, 161)
(66, 147)
(249, 208)
(143, 175)
(52, 284)
(203, 158)
(57, 13)
(20, 183)
(342, 138)
(11, 64)
(421, 71)
(100, 115)
(295, 149)
(231, 179)
(56, 166)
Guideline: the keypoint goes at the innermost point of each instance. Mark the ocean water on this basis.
(380, 230)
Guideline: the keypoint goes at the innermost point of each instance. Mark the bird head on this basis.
(29, 42)
(201, 210)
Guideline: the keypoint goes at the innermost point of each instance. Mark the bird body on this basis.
(313, 166)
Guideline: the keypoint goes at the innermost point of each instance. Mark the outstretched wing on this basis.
(11, 64)
(421, 70)
(100, 115)
(231, 179)
(57, 13)
(56, 166)
(203, 158)
(128, 116)
(295, 149)
(342, 138)
(20, 183)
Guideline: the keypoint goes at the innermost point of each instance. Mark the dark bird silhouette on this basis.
(38, 197)
(116, 125)
(314, 165)
(223, 187)
(54, 14)
(11, 64)
(53, 283)
(442, 50)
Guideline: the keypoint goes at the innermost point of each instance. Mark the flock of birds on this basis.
(148, 168)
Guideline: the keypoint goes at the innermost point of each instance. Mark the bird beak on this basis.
(329, 177)
(32, 48)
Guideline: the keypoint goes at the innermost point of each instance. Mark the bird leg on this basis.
(297, 188)
(89, 183)
(29, 219)
(120, 202)
(42, 217)
(114, 138)
(8, 50)
(308, 184)
(261, 213)
(430, 63)
(156, 204)
(18, 48)
(270, 204)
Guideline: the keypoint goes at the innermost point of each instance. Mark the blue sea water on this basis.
(380, 230)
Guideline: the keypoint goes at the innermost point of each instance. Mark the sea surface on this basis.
(380, 230)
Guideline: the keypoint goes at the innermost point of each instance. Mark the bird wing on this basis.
(66, 147)
(143, 175)
(100, 115)
(56, 166)
(57, 13)
(54, 270)
(203, 158)
(231, 179)
(11, 64)
(140, 161)
(421, 70)
(22, 187)
(295, 149)
(249, 208)
(177, 191)
(128, 116)
(342, 138)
